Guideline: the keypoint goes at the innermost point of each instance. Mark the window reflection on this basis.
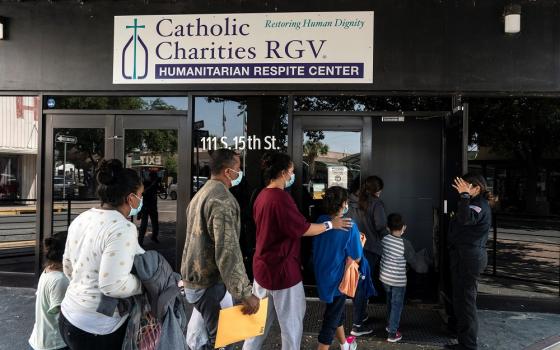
(228, 119)
(116, 102)
(241, 123)
(331, 158)
(371, 103)
(515, 144)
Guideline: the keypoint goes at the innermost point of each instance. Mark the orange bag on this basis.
(349, 282)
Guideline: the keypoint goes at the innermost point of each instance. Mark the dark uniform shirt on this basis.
(471, 224)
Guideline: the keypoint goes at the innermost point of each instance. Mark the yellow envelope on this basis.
(233, 326)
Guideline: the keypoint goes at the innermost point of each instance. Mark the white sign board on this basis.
(66, 139)
(299, 47)
(338, 176)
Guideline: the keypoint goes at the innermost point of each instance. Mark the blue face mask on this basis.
(290, 182)
(345, 210)
(239, 177)
(135, 211)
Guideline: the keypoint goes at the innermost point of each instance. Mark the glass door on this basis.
(328, 152)
(149, 144)
(74, 147)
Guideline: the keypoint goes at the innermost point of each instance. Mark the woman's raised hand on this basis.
(462, 186)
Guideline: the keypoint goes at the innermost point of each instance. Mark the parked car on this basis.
(197, 184)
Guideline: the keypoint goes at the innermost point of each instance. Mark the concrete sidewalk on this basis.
(498, 329)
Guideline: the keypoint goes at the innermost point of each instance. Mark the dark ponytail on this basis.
(115, 183)
(371, 186)
(54, 247)
(480, 181)
(273, 164)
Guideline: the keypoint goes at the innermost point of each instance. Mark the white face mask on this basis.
(135, 211)
(237, 181)
(290, 181)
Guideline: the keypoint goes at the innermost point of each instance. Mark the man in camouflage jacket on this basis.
(212, 261)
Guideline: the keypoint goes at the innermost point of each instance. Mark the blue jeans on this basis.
(332, 319)
(395, 302)
(359, 305)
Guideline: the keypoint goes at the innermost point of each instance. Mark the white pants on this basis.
(288, 305)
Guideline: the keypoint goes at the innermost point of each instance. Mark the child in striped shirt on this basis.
(396, 253)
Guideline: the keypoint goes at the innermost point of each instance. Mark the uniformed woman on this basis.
(467, 250)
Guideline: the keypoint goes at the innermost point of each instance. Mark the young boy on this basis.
(330, 251)
(396, 253)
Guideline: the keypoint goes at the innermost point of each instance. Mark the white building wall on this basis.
(19, 126)
(19, 135)
(29, 176)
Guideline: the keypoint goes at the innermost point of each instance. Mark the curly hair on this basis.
(54, 246)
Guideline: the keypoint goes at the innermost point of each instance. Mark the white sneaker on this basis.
(353, 344)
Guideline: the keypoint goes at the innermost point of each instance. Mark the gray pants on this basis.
(209, 307)
(288, 305)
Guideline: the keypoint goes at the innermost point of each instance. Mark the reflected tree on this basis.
(313, 148)
(526, 130)
(152, 140)
(372, 103)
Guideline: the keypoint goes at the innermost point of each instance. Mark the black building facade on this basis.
(431, 59)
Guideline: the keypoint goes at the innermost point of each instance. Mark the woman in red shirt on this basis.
(276, 264)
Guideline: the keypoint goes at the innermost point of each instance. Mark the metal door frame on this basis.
(328, 123)
(169, 121)
(45, 205)
(114, 122)
(329, 119)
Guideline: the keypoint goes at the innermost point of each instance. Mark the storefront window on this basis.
(251, 126)
(371, 103)
(19, 122)
(9, 183)
(115, 103)
(515, 145)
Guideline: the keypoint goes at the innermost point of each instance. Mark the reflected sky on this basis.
(341, 141)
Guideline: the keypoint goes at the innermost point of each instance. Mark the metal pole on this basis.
(494, 252)
(69, 215)
(246, 145)
(64, 174)
(197, 168)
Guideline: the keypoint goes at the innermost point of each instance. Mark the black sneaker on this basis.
(359, 330)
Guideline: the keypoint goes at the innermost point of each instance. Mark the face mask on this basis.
(290, 182)
(238, 180)
(135, 211)
(345, 210)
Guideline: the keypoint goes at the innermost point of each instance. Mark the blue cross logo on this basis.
(136, 40)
